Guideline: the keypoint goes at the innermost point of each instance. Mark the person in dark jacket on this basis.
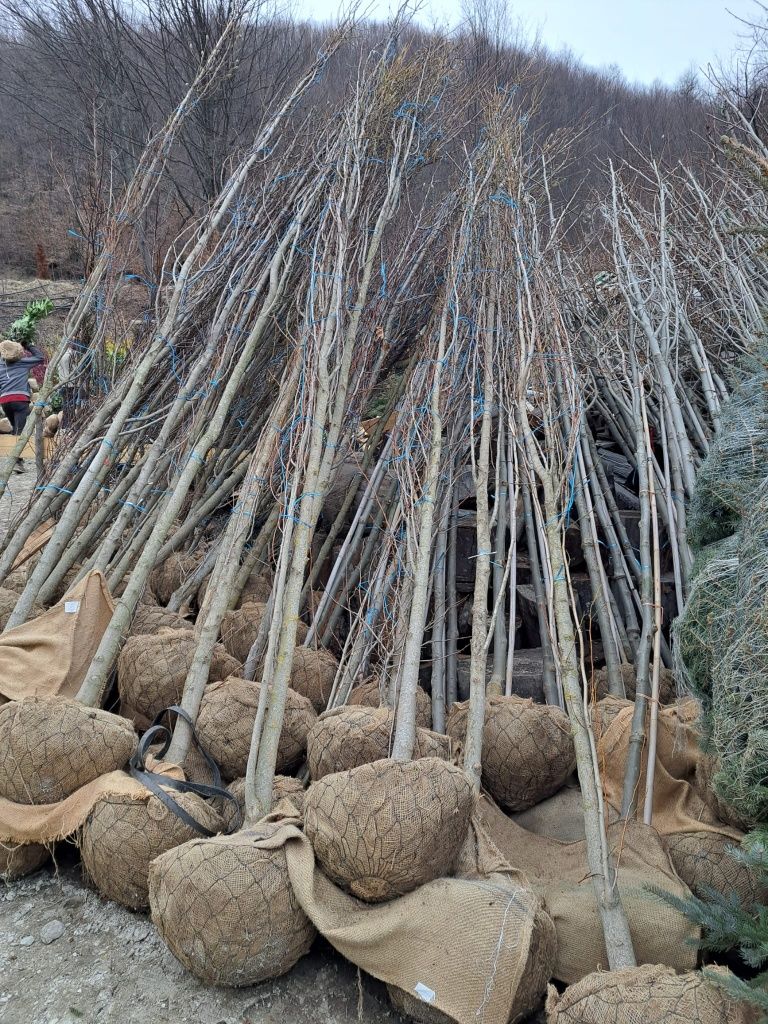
(16, 362)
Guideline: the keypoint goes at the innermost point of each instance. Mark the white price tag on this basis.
(425, 994)
(71, 607)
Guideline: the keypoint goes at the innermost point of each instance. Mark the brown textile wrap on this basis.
(169, 575)
(527, 749)
(17, 861)
(369, 695)
(152, 670)
(151, 618)
(533, 983)
(559, 873)
(462, 942)
(667, 685)
(225, 725)
(8, 599)
(646, 995)
(383, 829)
(52, 653)
(284, 787)
(34, 543)
(227, 911)
(51, 746)
(122, 835)
(348, 737)
(677, 807)
(312, 675)
(47, 823)
(704, 861)
(239, 629)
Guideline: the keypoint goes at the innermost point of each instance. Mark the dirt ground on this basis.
(109, 966)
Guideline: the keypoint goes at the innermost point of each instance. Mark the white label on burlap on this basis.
(425, 994)
(71, 607)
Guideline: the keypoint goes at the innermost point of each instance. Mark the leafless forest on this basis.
(84, 83)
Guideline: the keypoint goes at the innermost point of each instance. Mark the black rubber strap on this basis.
(159, 784)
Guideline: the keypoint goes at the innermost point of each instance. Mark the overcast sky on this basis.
(647, 39)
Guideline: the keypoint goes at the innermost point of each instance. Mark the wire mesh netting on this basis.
(383, 829)
(123, 835)
(50, 746)
(151, 671)
(225, 725)
(527, 749)
(369, 694)
(704, 862)
(283, 786)
(352, 736)
(227, 910)
(17, 861)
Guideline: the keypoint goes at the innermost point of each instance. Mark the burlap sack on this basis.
(11, 351)
(227, 911)
(559, 873)
(151, 672)
(369, 695)
(645, 995)
(284, 787)
(166, 578)
(532, 985)
(383, 829)
(313, 673)
(122, 836)
(239, 629)
(52, 653)
(463, 944)
(677, 807)
(257, 589)
(703, 862)
(17, 861)
(667, 684)
(150, 619)
(51, 746)
(351, 736)
(226, 719)
(559, 817)
(527, 749)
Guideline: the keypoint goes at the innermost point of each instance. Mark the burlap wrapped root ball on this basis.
(531, 987)
(369, 695)
(51, 746)
(312, 675)
(384, 829)
(149, 619)
(239, 629)
(227, 911)
(628, 673)
(352, 736)
(18, 861)
(8, 599)
(284, 787)
(527, 749)
(644, 995)
(122, 836)
(256, 590)
(151, 671)
(167, 577)
(225, 726)
(703, 860)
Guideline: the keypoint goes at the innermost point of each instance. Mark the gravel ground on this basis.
(67, 956)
